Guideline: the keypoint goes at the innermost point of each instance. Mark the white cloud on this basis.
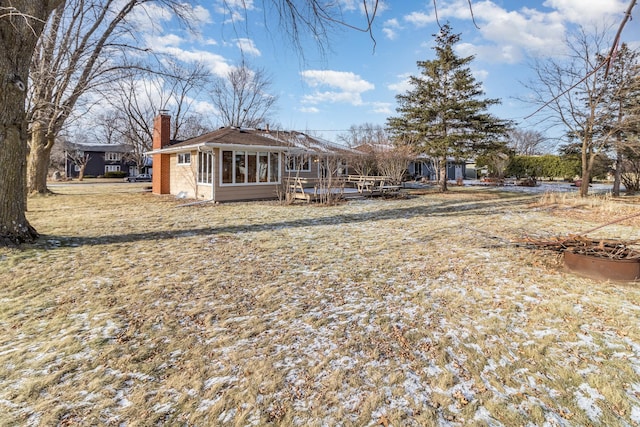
(511, 35)
(352, 5)
(507, 35)
(165, 41)
(248, 46)
(509, 53)
(149, 17)
(201, 15)
(420, 19)
(234, 9)
(317, 97)
(390, 33)
(381, 108)
(204, 108)
(217, 64)
(526, 31)
(311, 110)
(240, 4)
(348, 4)
(588, 12)
(389, 28)
(349, 86)
(402, 85)
(480, 75)
(345, 80)
(392, 23)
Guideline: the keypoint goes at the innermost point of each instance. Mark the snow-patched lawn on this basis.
(413, 311)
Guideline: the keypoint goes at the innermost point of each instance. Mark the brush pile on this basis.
(602, 248)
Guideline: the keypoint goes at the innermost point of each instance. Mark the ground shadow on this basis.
(437, 209)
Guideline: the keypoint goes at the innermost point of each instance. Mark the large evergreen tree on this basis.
(444, 114)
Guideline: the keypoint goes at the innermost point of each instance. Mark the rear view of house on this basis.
(233, 163)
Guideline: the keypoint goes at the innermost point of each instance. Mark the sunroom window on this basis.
(205, 167)
(249, 167)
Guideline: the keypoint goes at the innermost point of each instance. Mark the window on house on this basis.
(298, 163)
(205, 167)
(263, 167)
(247, 167)
(240, 164)
(252, 166)
(112, 168)
(112, 157)
(184, 158)
(342, 169)
(227, 167)
(274, 167)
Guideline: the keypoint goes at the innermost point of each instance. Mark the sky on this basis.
(355, 80)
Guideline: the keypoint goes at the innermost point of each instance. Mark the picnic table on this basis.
(373, 184)
(312, 189)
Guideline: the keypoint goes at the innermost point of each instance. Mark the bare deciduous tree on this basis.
(138, 96)
(393, 162)
(81, 49)
(21, 24)
(364, 134)
(575, 97)
(363, 162)
(77, 157)
(526, 142)
(242, 97)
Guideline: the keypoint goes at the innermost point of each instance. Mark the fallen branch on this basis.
(603, 248)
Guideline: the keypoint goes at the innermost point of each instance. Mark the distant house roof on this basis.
(366, 148)
(255, 139)
(101, 148)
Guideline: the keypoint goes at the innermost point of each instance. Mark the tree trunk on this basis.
(19, 33)
(586, 171)
(617, 175)
(443, 175)
(14, 227)
(38, 163)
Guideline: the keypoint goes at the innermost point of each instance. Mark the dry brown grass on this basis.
(134, 311)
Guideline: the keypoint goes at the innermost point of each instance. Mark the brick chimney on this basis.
(161, 130)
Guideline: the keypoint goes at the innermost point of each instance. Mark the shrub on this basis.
(115, 174)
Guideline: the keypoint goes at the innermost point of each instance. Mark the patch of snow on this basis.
(122, 401)
(163, 408)
(586, 397)
(635, 414)
(8, 403)
(205, 404)
(586, 341)
(219, 380)
(541, 333)
(227, 416)
(484, 416)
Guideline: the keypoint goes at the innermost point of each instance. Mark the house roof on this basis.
(102, 148)
(255, 139)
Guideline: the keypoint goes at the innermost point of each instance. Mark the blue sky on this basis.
(355, 81)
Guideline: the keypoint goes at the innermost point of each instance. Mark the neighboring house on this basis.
(102, 158)
(423, 167)
(238, 164)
